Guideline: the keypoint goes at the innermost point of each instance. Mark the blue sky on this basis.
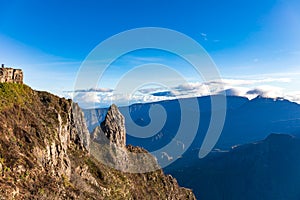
(255, 44)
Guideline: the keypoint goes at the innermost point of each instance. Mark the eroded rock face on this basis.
(71, 133)
(42, 140)
(79, 131)
(114, 127)
(143, 178)
(45, 153)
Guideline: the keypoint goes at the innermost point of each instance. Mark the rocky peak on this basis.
(113, 126)
(46, 153)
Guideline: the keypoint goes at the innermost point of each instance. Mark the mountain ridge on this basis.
(246, 120)
(45, 153)
(266, 170)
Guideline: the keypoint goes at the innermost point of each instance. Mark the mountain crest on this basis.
(114, 126)
(46, 153)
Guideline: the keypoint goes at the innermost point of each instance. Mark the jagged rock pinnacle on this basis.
(114, 126)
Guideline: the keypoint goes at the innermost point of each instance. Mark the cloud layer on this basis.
(103, 97)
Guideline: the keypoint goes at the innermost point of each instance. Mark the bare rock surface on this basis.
(46, 153)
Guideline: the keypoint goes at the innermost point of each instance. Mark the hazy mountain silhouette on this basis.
(246, 120)
(266, 170)
(239, 167)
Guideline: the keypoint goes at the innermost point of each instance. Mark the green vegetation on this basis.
(41, 191)
(94, 169)
(66, 181)
(6, 169)
(2, 160)
(13, 93)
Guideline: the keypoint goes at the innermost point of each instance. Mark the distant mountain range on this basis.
(250, 161)
(256, 157)
(246, 120)
(265, 170)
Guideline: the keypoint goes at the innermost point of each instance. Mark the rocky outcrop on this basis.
(108, 146)
(113, 126)
(79, 131)
(46, 153)
(147, 180)
(43, 140)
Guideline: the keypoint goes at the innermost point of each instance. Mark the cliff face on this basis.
(42, 140)
(114, 127)
(46, 153)
(143, 177)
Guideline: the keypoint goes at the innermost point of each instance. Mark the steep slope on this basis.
(266, 170)
(108, 146)
(45, 154)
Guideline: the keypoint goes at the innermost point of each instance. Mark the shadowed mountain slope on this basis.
(265, 170)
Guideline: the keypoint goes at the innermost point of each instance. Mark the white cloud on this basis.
(204, 36)
(189, 86)
(94, 90)
(238, 91)
(266, 91)
(249, 88)
(87, 98)
(293, 96)
(150, 90)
